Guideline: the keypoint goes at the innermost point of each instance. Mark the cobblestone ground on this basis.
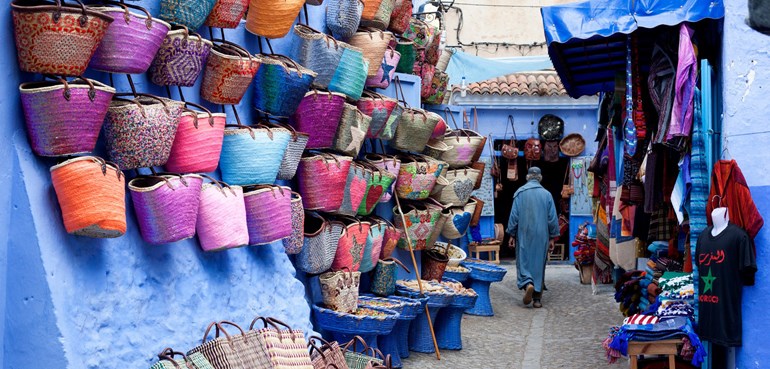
(566, 333)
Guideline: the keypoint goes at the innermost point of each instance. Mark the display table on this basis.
(482, 276)
(343, 326)
(670, 348)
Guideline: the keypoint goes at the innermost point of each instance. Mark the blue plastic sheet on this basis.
(477, 69)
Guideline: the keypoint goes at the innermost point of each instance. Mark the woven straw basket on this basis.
(272, 18)
(91, 194)
(64, 118)
(221, 217)
(373, 43)
(166, 206)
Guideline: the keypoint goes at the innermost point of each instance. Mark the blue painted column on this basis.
(746, 136)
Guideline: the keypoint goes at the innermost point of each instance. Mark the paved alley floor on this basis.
(566, 333)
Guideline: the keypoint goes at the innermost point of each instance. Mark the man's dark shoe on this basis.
(528, 292)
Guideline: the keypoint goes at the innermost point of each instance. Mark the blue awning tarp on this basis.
(476, 69)
(587, 40)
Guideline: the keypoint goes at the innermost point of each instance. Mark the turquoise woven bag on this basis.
(350, 76)
(252, 155)
(188, 13)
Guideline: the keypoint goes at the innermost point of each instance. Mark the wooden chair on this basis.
(493, 248)
(666, 347)
(558, 252)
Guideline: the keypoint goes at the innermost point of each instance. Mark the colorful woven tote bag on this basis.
(268, 213)
(318, 52)
(321, 179)
(320, 244)
(417, 176)
(197, 142)
(319, 112)
(280, 85)
(351, 131)
(188, 13)
(355, 188)
(229, 71)
(385, 275)
(180, 58)
(350, 249)
(221, 220)
(166, 206)
(340, 290)
(227, 13)
(252, 155)
(293, 244)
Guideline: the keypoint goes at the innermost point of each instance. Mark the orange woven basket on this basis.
(92, 197)
(370, 9)
(272, 18)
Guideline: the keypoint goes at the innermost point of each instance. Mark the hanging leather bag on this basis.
(509, 150)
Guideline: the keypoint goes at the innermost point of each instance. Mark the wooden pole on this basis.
(417, 274)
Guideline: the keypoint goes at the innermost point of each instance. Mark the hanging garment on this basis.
(698, 174)
(533, 222)
(729, 188)
(725, 264)
(661, 84)
(686, 78)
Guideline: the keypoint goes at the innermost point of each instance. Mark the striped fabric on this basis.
(279, 349)
(698, 174)
(640, 319)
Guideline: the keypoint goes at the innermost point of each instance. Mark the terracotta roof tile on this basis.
(521, 84)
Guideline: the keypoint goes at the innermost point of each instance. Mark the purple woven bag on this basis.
(320, 113)
(166, 206)
(64, 118)
(268, 213)
(130, 42)
(180, 59)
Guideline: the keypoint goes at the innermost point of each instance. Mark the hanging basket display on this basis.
(351, 131)
(319, 112)
(373, 244)
(91, 195)
(373, 43)
(221, 217)
(228, 73)
(340, 290)
(379, 107)
(57, 39)
(438, 88)
(355, 189)
(464, 145)
(350, 76)
(140, 132)
(350, 249)
(180, 59)
(459, 220)
(64, 118)
(268, 213)
(197, 142)
(188, 13)
(320, 246)
(343, 17)
(272, 18)
(280, 85)
(166, 206)
(318, 52)
(386, 71)
(293, 244)
(399, 19)
(408, 53)
(379, 183)
(456, 186)
(390, 164)
(413, 131)
(321, 179)
(385, 275)
(417, 176)
(227, 13)
(294, 150)
(381, 18)
(420, 223)
(131, 40)
(252, 155)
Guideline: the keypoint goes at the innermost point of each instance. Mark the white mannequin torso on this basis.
(720, 218)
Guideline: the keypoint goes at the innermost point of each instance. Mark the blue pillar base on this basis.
(401, 332)
(483, 305)
(420, 339)
(389, 346)
(449, 328)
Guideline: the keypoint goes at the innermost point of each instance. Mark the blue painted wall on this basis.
(745, 65)
(75, 302)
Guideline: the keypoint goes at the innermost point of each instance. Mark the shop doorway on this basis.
(553, 178)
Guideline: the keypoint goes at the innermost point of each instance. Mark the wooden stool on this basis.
(493, 248)
(558, 252)
(666, 347)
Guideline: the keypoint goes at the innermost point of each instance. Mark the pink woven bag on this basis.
(166, 206)
(268, 213)
(350, 248)
(221, 217)
(197, 142)
(321, 178)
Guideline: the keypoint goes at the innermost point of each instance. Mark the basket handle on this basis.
(201, 107)
(400, 92)
(127, 15)
(513, 127)
(232, 46)
(168, 354)
(286, 60)
(312, 346)
(208, 329)
(265, 320)
(399, 263)
(82, 21)
(294, 133)
(354, 342)
(67, 93)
